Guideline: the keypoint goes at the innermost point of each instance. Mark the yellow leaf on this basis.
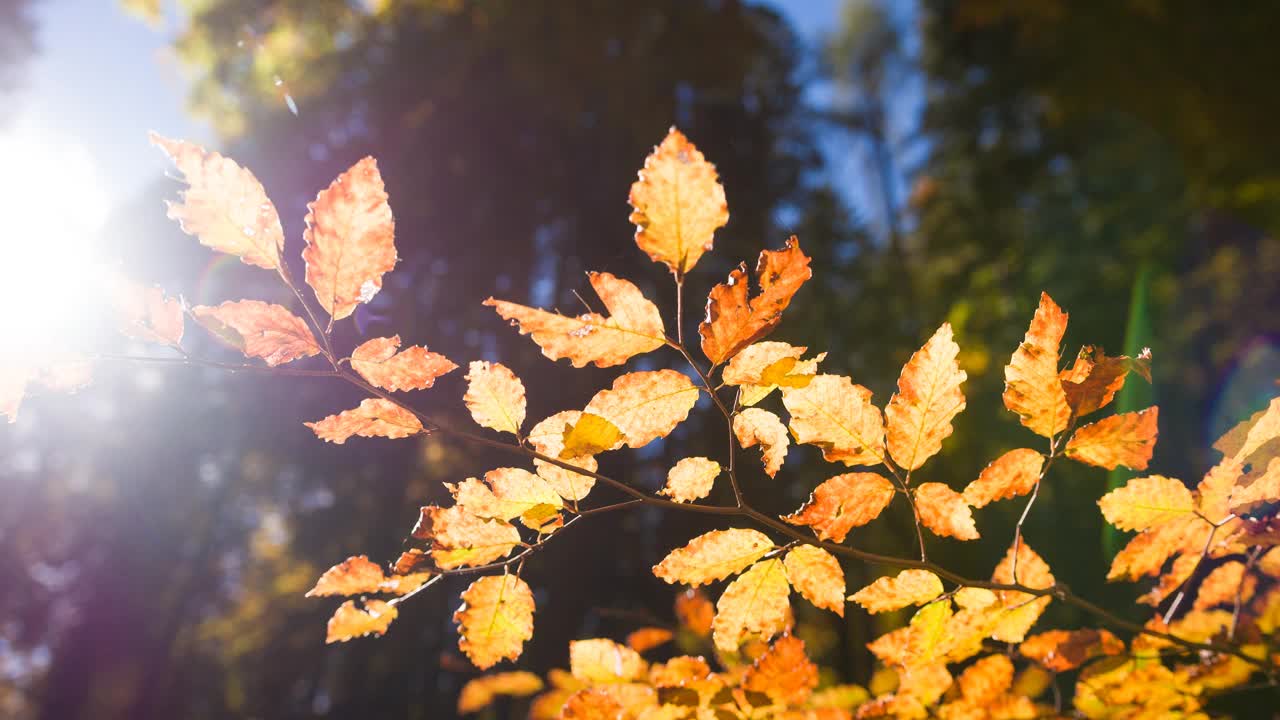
(754, 426)
(817, 575)
(260, 329)
(784, 673)
(604, 661)
(374, 417)
(837, 416)
(755, 602)
(1147, 553)
(733, 320)
(691, 479)
(1249, 436)
(357, 575)
(1224, 584)
(350, 240)
(506, 494)
(225, 206)
(590, 435)
(1008, 476)
(547, 437)
(1265, 488)
(495, 619)
(765, 366)
(1032, 388)
(351, 622)
(713, 556)
(413, 368)
(633, 327)
(843, 503)
(645, 405)
(495, 397)
(918, 417)
(1020, 610)
(678, 204)
(910, 587)
(1145, 502)
(460, 539)
(1126, 439)
(945, 512)
(480, 692)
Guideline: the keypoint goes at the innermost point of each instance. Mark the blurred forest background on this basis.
(940, 159)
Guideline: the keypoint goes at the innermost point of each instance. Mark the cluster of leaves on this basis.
(967, 652)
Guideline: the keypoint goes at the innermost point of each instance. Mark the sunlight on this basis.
(53, 205)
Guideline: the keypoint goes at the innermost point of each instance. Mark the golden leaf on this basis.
(260, 329)
(986, 679)
(918, 416)
(1008, 476)
(1223, 584)
(1021, 610)
(695, 611)
(645, 405)
(144, 313)
(351, 622)
(508, 493)
(691, 479)
(784, 673)
(679, 671)
(678, 204)
(754, 426)
(910, 587)
(843, 503)
(755, 602)
(1247, 437)
(590, 435)
(1094, 380)
(713, 556)
(765, 366)
(1126, 439)
(837, 416)
(495, 619)
(633, 327)
(1147, 553)
(460, 539)
(1032, 388)
(350, 240)
(733, 321)
(357, 575)
(1063, 650)
(945, 512)
(648, 638)
(374, 417)
(817, 575)
(547, 437)
(495, 397)
(413, 368)
(225, 207)
(604, 661)
(1145, 502)
(479, 693)
(1265, 488)
(592, 704)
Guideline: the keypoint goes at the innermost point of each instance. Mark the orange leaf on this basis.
(843, 503)
(357, 575)
(260, 329)
(1063, 650)
(1094, 380)
(713, 556)
(1032, 388)
(495, 619)
(592, 704)
(918, 417)
(784, 673)
(547, 437)
(1264, 488)
(817, 575)
(480, 692)
(645, 405)
(837, 416)
(987, 679)
(374, 417)
(1008, 476)
(225, 205)
(1147, 553)
(1021, 610)
(351, 622)
(1126, 439)
(755, 602)
(1247, 437)
(691, 479)
(413, 368)
(1145, 502)
(1223, 584)
(733, 322)
(460, 539)
(648, 638)
(144, 313)
(633, 327)
(604, 661)
(695, 611)
(495, 397)
(910, 587)
(945, 512)
(350, 239)
(678, 204)
(754, 426)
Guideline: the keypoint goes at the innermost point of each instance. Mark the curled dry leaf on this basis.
(260, 329)
(357, 575)
(1032, 389)
(1020, 610)
(733, 321)
(374, 417)
(678, 204)
(1008, 476)
(945, 512)
(479, 693)
(1126, 439)
(349, 621)
(784, 672)
(1063, 650)
(909, 587)
(691, 479)
(756, 602)
(713, 556)
(414, 368)
(144, 313)
(461, 539)
(1093, 381)
(837, 416)
(645, 405)
(225, 206)
(918, 416)
(754, 426)
(634, 326)
(843, 503)
(495, 619)
(547, 437)
(648, 638)
(1145, 502)
(604, 661)
(495, 397)
(817, 575)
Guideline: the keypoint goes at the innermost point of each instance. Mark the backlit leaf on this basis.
(495, 619)
(754, 426)
(1063, 650)
(413, 368)
(734, 320)
(374, 417)
(461, 539)
(357, 575)
(909, 587)
(495, 397)
(590, 435)
(918, 417)
(1247, 437)
(817, 575)
(987, 679)
(765, 366)
(1008, 476)
(144, 313)
(508, 493)
(695, 611)
(480, 692)
(1020, 610)
(645, 405)
(1126, 439)
(1093, 381)
(1032, 388)
(945, 512)
(691, 479)
(592, 704)
(648, 638)
(837, 416)
(604, 661)
(1223, 583)
(755, 602)
(1147, 553)
(349, 621)
(678, 204)
(713, 556)
(784, 673)
(547, 437)
(350, 238)
(260, 329)
(1264, 488)
(843, 503)
(1145, 502)
(634, 326)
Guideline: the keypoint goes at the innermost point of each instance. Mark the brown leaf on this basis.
(350, 239)
(837, 416)
(817, 575)
(678, 204)
(374, 417)
(713, 556)
(755, 602)
(495, 397)
(1032, 388)
(733, 322)
(918, 417)
(1008, 476)
(691, 479)
(1126, 439)
(843, 503)
(909, 587)
(645, 405)
(413, 368)
(351, 622)
(225, 205)
(495, 619)
(1094, 380)
(945, 512)
(754, 426)
(1063, 650)
(633, 327)
(260, 329)
(784, 673)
